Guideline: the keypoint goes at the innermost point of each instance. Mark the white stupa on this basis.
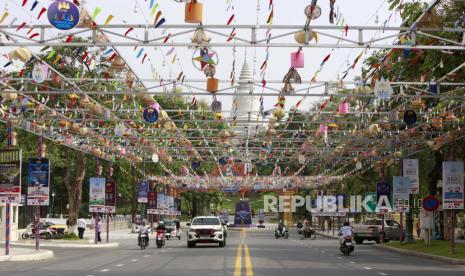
(247, 112)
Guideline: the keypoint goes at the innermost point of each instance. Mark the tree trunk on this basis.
(133, 201)
(435, 174)
(73, 185)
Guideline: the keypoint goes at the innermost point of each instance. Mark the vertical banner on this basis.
(38, 182)
(452, 179)
(410, 170)
(152, 203)
(110, 197)
(400, 193)
(97, 195)
(143, 192)
(161, 204)
(10, 176)
(383, 197)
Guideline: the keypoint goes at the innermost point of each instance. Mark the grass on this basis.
(437, 248)
(71, 237)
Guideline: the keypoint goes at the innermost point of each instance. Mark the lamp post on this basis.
(53, 200)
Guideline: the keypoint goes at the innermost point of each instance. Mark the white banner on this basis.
(401, 190)
(452, 179)
(411, 171)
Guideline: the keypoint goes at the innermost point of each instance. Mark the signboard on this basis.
(243, 215)
(143, 193)
(401, 192)
(452, 180)
(63, 15)
(370, 199)
(431, 203)
(161, 201)
(152, 203)
(38, 182)
(97, 194)
(410, 170)
(110, 196)
(383, 189)
(10, 176)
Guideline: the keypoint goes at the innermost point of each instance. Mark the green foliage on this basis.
(71, 237)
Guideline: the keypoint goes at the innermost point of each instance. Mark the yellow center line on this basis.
(238, 266)
(248, 261)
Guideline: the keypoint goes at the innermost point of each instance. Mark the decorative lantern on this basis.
(200, 38)
(212, 83)
(383, 89)
(117, 64)
(22, 54)
(304, 37)
(343, 107)
(193, 12)
(83, 131)
(216, 106)
(298, 59)
(39, 72)
(151, 113)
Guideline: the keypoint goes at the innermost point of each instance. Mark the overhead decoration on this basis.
(193, 12)
(305, 36)
(200, 38)
(63, 15)
(205, 57)
(151, 113)
(313, 11)
(290, 78)
(410, 118)
(39, 72)
(383, 89)
(23, 54)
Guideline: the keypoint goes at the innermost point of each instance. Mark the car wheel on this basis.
(179, 237)
(378, 240)
(190, 244)
(221, 244)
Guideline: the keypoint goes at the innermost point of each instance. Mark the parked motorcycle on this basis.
(347, 246)
(44, 232)
(160, 238)
(281, 234)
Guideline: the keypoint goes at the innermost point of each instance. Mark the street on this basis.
(246, 253)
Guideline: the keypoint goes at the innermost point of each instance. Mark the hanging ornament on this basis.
(410, 118)
(292, 77)
(312, 11)
(216, 106)
(298, 59)
(130, 80)
(22, 54)
(193, 12)
(155, 158)
(305, 36)
(117, 63)
(39, 72)
(205, 57)
(120, 128)
(212, 83)
(383, 89)
(302, 159)
(200, 38)
(343, 108)
(151, 113)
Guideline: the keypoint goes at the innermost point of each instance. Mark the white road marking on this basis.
(367, 268)
(146, 256)
(352, 262)
(340, 258)
(382, 274)
(105, 270)
(134, 260)
(119, 265)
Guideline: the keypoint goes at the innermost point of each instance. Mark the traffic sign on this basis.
(431, 203)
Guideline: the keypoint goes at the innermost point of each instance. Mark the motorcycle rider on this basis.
(161, 226)
(143, 229)
(345, 231)
(281, 227)
(306, 228)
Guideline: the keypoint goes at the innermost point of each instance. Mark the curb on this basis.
(420, 254)
(42, 255)
(327, 236)
(72, 245)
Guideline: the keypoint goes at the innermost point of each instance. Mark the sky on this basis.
(286, 12)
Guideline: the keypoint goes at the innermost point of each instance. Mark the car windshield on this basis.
(168, 223)
(206, 221)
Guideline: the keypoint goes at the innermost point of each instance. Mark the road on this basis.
(246, 254)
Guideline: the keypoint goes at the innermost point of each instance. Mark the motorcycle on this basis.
(143, 240)
(307, 233)
(44, 232)
(281, 234)
(175, 234)
(347, 246)
(160, 238)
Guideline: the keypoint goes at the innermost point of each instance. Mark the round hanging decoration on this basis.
(358, 165)
(203, 57)
(410, 117)
(313, 12)
(120, 129)
(302, 159)
(223, 161)
(155, 158)
(195, 164)
(151, 113)
(63, 15)
(39, 72)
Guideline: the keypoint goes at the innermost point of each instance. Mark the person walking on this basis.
(81, 225)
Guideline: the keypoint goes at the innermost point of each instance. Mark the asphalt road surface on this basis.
(246, 254)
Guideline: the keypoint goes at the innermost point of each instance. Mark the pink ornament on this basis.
(298, 59)
(155, 106)
(122, 151)
(343, 108)
(323, 128)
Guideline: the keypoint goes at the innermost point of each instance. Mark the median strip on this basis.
(238, 266)
(247, 258)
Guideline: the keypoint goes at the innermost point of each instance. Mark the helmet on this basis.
(143, 223)
(346, 223)
(281, 221)
(161, 222)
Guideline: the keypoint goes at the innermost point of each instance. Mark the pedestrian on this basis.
(81, 224)
(99, 231)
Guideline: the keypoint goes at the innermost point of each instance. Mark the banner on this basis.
(10, 176)
(371, 202)
(383, 189)
(143, 193)
(152, 203)
(38, 182)
(110, 197)
(401, 192)
(97, 195)
(452, 179)
(410, 170)
(161, 201)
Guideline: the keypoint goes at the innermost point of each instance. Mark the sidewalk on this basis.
(26, 254)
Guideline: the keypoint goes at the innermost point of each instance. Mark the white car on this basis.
(206, 229)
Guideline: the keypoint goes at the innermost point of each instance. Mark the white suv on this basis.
(206, 229)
